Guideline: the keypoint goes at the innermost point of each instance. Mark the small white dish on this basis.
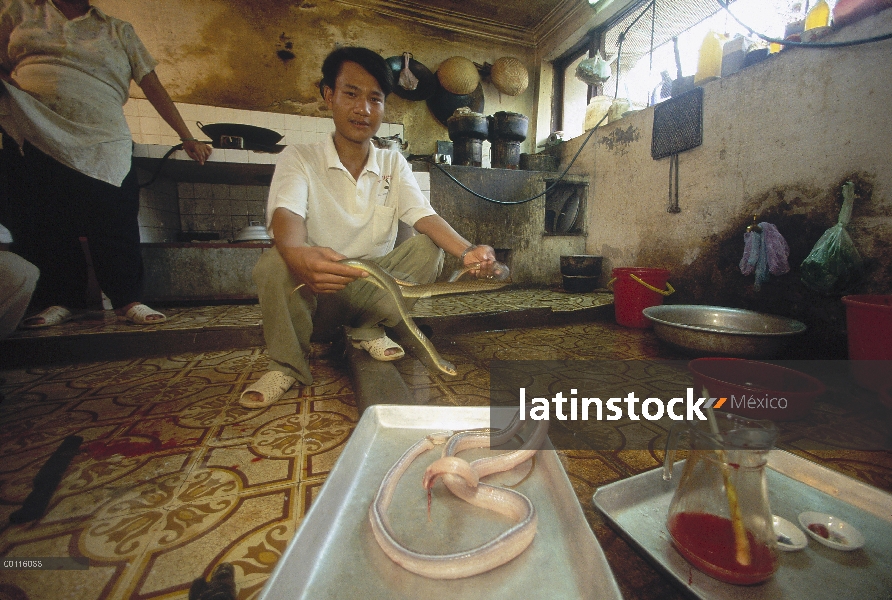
(831, 531)
(789, 537)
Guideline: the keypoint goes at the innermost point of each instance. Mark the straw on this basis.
(741, 542)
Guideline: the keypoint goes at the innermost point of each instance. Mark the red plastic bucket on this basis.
(636, 288)
(869, 325)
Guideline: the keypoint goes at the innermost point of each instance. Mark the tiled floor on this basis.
(174, 477)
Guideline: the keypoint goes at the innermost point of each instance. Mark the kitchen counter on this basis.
(225, 165)
(200, 271)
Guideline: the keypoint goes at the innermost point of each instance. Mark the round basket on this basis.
(458, 75)
(509, 75)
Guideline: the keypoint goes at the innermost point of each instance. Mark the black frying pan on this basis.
(254, 137)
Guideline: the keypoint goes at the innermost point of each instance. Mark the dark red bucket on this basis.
(869, 325)
(637, 288)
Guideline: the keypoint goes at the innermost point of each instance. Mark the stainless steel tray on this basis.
(637, 507)
(334, 554)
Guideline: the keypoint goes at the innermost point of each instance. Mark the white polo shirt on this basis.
(356, 217)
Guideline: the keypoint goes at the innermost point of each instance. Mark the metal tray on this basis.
(334, 554)
(637, 507)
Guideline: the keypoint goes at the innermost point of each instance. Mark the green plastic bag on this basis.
(834, 264)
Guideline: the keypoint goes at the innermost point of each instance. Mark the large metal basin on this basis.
(724, 331)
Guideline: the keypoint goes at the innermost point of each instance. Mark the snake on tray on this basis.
(463, 480)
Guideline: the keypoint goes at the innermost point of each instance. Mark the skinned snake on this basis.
(463, 480)
(399, 289)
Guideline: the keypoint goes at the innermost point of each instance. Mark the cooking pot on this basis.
(255, 232)
(508, 126)
(464, 125)
(233, 135)
(427, 81)
(442, 104)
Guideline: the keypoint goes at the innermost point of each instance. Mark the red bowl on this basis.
(756, 390)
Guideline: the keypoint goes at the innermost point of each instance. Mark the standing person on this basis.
(67, 152)
(341, 198)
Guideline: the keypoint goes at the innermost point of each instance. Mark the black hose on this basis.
(160, 165)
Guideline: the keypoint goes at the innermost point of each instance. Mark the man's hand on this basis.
(482, 255)
(318, 268)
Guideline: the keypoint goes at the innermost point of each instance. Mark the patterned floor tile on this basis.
(175, 477)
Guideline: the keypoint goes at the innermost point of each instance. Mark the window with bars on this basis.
(655, 42)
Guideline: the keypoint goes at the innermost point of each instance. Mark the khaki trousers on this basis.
(363, 309)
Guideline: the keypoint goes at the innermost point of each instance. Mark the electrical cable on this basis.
(160, 165)
(771, 40)
(621, 38)
(540, 194)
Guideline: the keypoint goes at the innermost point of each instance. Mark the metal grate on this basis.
(671, 17)
(678, 124)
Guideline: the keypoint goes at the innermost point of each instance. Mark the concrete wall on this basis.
(224, 53)
(516, 232)
(779, 140)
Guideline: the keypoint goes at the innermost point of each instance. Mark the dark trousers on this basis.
(48, 207)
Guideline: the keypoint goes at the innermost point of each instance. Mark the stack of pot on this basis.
(506, 131)
(467, 130)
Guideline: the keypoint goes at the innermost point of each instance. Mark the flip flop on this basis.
(377, 348)
(271, 387)
(139, 314)
(54, 315)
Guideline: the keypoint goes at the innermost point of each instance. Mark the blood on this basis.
(707, 541)
(99, 450)
(257, 459)
(820, 530)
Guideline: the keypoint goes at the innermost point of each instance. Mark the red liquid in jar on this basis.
(707, 541)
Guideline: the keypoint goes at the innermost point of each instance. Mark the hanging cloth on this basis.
(764, 252)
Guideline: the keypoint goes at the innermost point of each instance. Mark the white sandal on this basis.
(377, 348)
(139, 314)
(54, 315)
(271, 387)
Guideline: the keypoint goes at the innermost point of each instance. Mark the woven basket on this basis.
(458, 75)
(509, 75)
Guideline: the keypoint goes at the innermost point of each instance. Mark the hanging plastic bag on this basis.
(834, 263)
(408, 81)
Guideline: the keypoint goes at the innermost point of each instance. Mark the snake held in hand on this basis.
(384, 280)
(462, 479)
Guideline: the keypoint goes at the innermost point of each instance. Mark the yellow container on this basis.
(818, 16)
(709, 62)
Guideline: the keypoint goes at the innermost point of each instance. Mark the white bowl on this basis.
(789, 537)
(840, 535)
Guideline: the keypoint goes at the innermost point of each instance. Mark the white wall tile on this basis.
(150, 125)
(276, 121)
(133, 123)
(424, 180)
(322, 125)
(145, 108)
